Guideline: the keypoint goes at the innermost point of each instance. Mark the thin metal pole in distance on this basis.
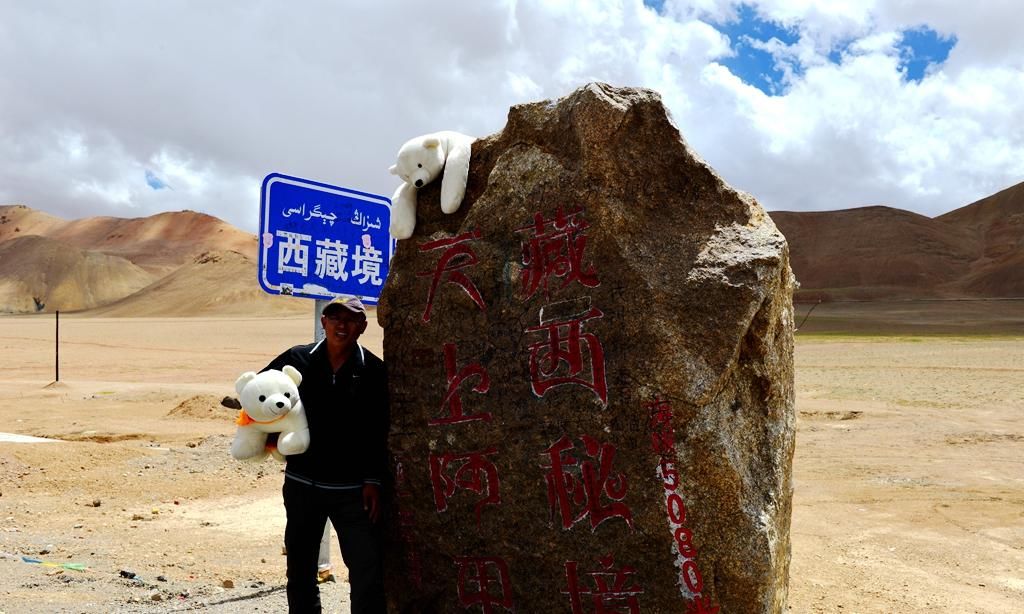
(56, 349)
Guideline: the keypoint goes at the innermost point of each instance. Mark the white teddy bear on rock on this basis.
(420, 161)
(270, 404)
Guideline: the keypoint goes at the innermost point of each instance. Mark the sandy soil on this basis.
(916, 317)
(909, 475)
(909, 471)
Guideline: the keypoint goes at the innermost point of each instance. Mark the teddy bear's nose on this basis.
(280, 404)
(419, 183)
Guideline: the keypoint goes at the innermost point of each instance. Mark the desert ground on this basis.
(909, 468)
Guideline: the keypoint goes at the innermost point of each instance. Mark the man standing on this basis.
(345, 394)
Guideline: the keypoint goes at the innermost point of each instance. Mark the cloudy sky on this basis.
(132, 107)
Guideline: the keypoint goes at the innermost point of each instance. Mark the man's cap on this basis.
(351, 303)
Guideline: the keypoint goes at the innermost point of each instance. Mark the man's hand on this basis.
(371, 501)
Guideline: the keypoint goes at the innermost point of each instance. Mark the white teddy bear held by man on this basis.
(270, 404)
(420, 161)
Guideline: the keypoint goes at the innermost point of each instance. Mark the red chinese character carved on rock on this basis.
(485, 582)
(661, 414)
(702, 605)
(564, 346)
(452, 398)
(663, 440)
(576, 487)
(556, 252)
(476, 474)
(457, 255)
(612, 591)
(691, 582)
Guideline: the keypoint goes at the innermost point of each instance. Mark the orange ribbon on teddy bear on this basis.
(245, 419)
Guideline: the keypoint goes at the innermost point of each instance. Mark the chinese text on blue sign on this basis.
(319, 241)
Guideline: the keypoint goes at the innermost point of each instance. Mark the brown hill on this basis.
(997, 223)
(20, 221)
(40, 274)
(180, 263)
(159, 243)
(875, 252)
(201, 265)
(885, 253)
(214, 283)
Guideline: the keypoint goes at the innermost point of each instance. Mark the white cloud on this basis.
(213, 96)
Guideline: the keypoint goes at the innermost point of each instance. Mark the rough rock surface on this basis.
(591, 376)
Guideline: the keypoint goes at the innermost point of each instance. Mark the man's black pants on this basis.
(308, 508)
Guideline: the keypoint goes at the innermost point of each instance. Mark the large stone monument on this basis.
(591, 370)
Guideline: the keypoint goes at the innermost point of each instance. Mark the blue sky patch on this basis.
(155, 182)
(922, 47)
(657, 5)
(835, 55)
(757, 66)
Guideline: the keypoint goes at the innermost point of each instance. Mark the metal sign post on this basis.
(318, 331)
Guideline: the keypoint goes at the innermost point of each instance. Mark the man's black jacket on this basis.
(348, 417)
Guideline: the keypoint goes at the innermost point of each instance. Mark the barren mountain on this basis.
(188, 263)
(997, 223)
(874, 252)
(197, 264)
(20, 221)
(40, 274)
(165, 240)
(160, 242)
(884, 253)
(214, 283)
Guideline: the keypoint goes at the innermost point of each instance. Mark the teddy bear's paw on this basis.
(450, 203)
(295, 442)
(248, 453)
(246, 447)
(288, 450)
(401, 228)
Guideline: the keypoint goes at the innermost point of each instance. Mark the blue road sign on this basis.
(319, 241)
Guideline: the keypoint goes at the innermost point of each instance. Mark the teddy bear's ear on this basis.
(246, 377)
(431, 142)
(394, 169)
(293, 374)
